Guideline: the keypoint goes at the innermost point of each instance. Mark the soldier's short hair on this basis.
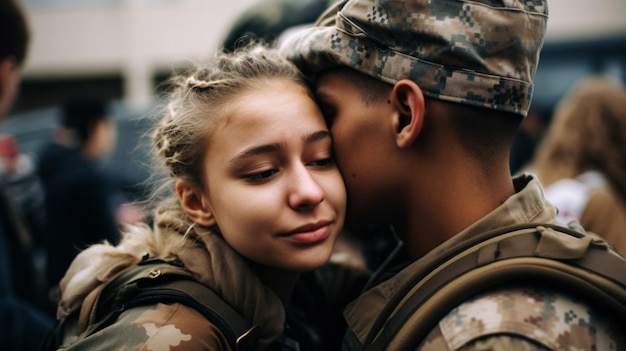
(480, 52)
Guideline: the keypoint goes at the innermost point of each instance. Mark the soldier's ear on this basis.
(195, 204)
(408, 101)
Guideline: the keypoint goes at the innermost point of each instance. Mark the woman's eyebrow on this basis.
(269, 148)
(315, 136)
(256, 150)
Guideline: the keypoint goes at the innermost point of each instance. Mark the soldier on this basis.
(423, 99)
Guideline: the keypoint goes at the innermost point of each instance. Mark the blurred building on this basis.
(121, 48)
(126, 47)
(584, 38)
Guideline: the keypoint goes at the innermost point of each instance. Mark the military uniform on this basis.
(532, 318)
(480, 53)
(440, 45)
(170, 326)
(156, 327)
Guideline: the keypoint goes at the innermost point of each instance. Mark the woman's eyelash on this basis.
(262, 176)
(325, 162)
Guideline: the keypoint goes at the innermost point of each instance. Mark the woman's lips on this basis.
(310, 234)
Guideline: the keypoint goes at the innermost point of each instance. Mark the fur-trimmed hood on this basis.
(203, 252)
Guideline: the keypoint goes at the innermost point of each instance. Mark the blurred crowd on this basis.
(59, 202)
(52, 204)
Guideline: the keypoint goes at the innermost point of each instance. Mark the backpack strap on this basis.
(156, 281)
(537, 253)
(195, 295)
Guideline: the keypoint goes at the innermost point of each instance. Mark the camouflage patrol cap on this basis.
(479, 52)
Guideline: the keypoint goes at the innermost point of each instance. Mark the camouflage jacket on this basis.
(510, 318)
(172, 326)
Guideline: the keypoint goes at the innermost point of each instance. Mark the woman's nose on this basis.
(305, 192)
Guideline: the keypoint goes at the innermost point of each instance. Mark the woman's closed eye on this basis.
(260, 176)
(323, 163)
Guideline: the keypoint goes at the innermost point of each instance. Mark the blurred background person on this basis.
(22, 325)
(19, 177)
(18, 172)
(78, 194)
(582, 158)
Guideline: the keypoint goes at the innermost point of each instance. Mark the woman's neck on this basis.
(281, 282)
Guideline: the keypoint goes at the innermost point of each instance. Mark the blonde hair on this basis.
(179, 141)
(588, 132)
(196, 103)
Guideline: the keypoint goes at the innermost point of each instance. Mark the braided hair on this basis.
(200, 100)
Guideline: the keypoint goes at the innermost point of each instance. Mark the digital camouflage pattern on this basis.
(553, 321)
(531, 319)
(482, 52)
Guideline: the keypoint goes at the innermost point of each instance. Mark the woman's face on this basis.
(270, 181)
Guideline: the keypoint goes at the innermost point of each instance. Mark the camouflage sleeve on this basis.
(492, 343)
(524, 319)
(160, 327)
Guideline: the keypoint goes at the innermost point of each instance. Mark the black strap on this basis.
(204, 300)
(155, 281)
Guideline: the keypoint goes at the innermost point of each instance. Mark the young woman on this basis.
(255, 199)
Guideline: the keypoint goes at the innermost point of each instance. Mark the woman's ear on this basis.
(408, 100)
(194, 204)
